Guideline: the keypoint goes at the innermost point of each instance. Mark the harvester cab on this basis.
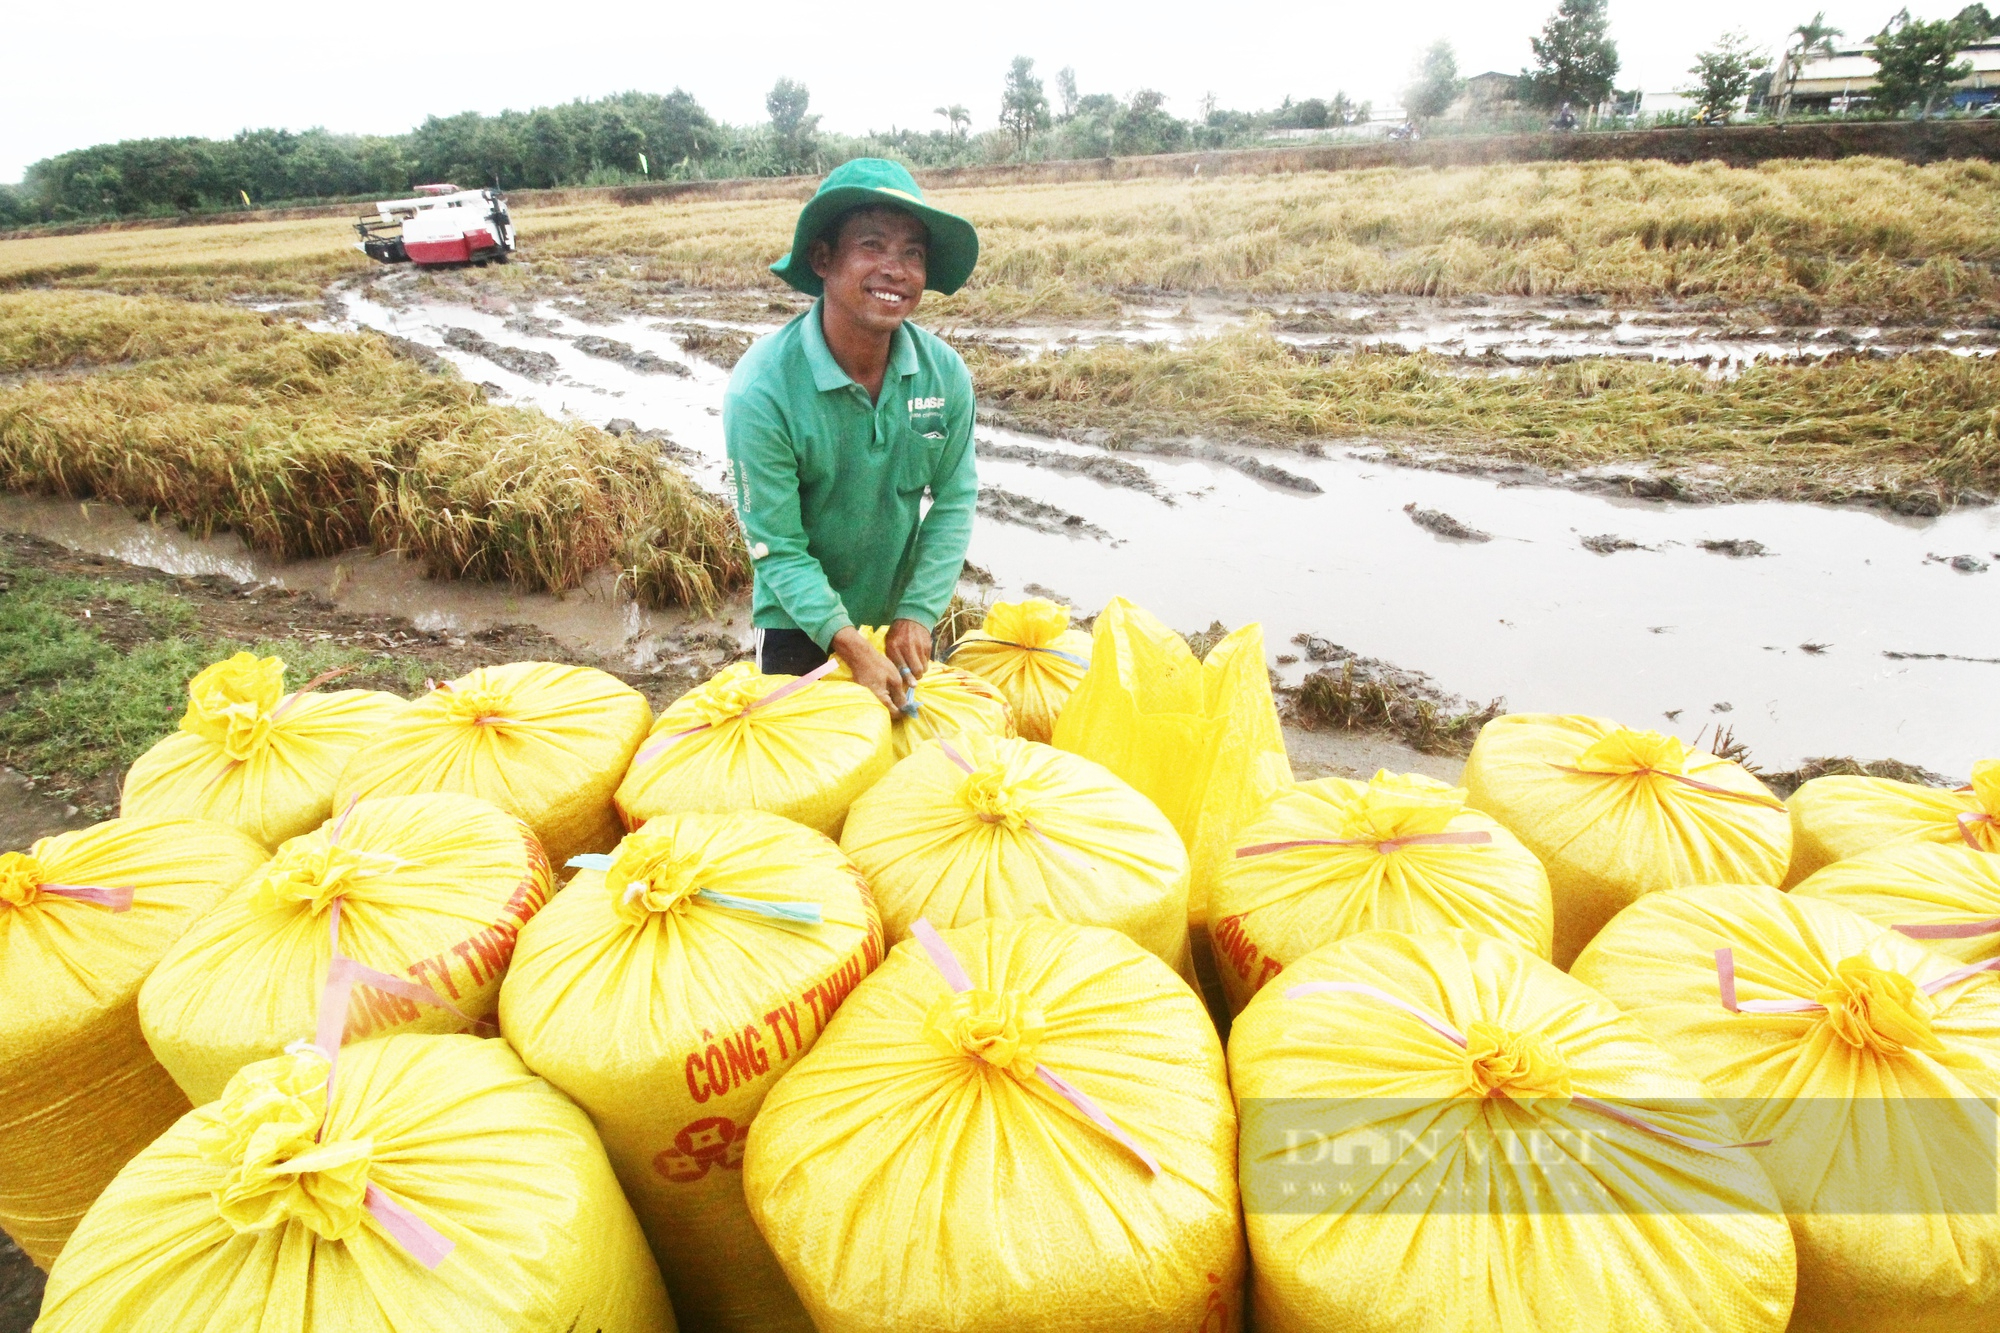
(441, 224)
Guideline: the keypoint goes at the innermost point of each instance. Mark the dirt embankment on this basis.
(381, 651)
(1733, 145)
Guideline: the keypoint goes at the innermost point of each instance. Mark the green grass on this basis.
(78, 704)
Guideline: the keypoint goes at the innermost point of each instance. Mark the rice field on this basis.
(266, 259)
(316, 443)
(309, 443)
(1829, 430)
(1857, 235)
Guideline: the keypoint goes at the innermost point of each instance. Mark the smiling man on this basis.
(840, 422)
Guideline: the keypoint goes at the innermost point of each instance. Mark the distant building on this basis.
(1484, 96)
(1844, 80)
(1490, 88)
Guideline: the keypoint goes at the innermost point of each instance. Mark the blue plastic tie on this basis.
(803, 913)
(1026, 648)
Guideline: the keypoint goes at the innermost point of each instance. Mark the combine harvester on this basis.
(442, 225)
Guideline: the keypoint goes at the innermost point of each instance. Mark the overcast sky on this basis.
(124, 69)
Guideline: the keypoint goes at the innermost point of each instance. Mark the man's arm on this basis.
(767, 502)
(947, 528)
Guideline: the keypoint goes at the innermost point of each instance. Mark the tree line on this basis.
(624, 139)
(638, 136)
(1916, 63)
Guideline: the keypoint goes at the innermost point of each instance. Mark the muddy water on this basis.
(1508, 331)
(594, 618)
(1907, 650)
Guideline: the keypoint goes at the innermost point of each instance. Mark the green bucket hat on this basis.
(874, 180)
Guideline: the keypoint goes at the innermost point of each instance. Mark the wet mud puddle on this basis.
(1807, 629)
(1499, 332)
(594, 618)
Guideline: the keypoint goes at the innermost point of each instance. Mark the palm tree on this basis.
(1814, 38)
(957, 117)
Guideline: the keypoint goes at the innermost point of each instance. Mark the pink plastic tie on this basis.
(1452, 1034)
(284, 705)
(951, 753)
(1768, 802)
(1725, 981)
(1958, 974)
(1468, 838)
(423, 1242)
(1056, 849)
(1725, 984)
(1964, 930)
(118, 900)
(941, 956)
(954, 974)
(1624, 1116)
(485, 719)
(665, 742)
(1429, 1020)
(1076, 1097)
(343, 974)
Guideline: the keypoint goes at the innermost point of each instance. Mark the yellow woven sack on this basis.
(1444, 1133)
(1009, 828)
(949, 702)
(1835, 818)
(1613, 813)
(251, 756)
(1200, 739)
(433, 888)
(1029, 651)
(238, 1218)
(79, 1091)
(544, 742)
(1327, 859)
(1947, 898)
(922, 1169)
(796, 746)
(1863, 1063)
(715, 947)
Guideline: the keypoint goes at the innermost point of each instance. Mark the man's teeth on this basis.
(893, 298)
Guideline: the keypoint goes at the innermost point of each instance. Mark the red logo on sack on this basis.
(711, 1141)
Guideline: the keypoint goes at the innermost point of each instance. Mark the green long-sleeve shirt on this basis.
(830, 486)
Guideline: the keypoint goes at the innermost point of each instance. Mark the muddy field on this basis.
(1804, 629)
(231, 602)
(1703, 450)
(1167, 370)
(1632, 589)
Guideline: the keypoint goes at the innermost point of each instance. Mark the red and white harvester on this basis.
(442, 225)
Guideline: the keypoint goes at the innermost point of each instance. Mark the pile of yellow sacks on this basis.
(516, 1006)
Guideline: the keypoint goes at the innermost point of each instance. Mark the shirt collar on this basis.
(827, 374)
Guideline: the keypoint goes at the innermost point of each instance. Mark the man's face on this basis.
(874, 273)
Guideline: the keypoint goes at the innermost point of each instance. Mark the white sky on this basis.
(120, 69)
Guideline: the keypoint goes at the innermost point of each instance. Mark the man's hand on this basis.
(909, 645)
(870, 669)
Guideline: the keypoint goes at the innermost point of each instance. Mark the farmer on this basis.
(838, 423)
